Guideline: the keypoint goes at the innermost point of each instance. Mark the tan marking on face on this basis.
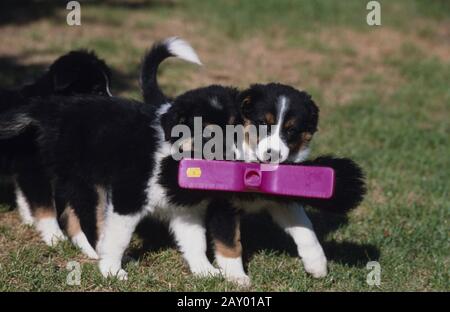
(100, 209)
(302, 143)
(270, 118)
(307, 136)
(247, 100)
(233, 251)
(289, 123)
(43, 212)
(72, 222)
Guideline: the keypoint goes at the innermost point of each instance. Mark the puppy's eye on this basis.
(291, 131)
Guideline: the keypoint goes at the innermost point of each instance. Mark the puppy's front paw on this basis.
(122, 275)
(241, 280)
(112, 269)
(49, 230)
(317, 267)
(205, 270)
(52, 239)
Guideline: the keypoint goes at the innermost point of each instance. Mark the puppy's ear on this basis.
(313, 115)
(246, 100)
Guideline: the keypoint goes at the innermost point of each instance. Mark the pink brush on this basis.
(291, 180)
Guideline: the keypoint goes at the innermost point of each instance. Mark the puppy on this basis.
(92, 143)
(121, 148)
(77, 72)
(293, 115)
(294, 118)
(290, 116)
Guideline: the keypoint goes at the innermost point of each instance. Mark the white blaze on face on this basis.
(272, 148)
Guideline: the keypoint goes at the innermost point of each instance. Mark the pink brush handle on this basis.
(290, 180)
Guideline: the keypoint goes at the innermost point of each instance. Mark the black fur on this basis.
(77, 72)
(222, 220)
(198, 103)
(90, 141)
(149, 70)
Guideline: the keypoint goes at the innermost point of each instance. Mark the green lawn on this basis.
(384, 97)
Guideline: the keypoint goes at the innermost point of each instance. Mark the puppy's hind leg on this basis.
(123, 213)
(34, 188)
(223, 222)
(190, 234)
(23, 206)
(295, 222)
(75, 205)
(77, 236)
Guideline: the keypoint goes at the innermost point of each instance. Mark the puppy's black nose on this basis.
(272, 155)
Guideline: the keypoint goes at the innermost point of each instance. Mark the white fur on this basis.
(274, 141)
(49, 230)
(114, 239)
(296, 223)
(187, 226)
(80, 240)
(216, 104)
(23, 207)
(233, 270)
(301, 155)
(180, 48)
(190, 235)
(156, 193)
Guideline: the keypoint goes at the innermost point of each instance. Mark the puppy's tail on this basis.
(350, 185)
(172, 46)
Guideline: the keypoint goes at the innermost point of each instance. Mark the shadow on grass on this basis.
(259, 233)
(13, 73)
(26, 11)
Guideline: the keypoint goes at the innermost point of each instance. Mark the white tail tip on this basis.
(180, 48)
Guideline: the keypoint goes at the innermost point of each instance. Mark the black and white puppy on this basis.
(294, 118)
(94, 144)
(291, 119)
(77, 72)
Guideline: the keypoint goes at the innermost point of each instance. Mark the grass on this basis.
(384, 99)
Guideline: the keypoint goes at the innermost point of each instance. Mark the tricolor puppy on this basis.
(289, 118)
(294, 118)
(113, 146)
(285, 120)
(77, 72)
